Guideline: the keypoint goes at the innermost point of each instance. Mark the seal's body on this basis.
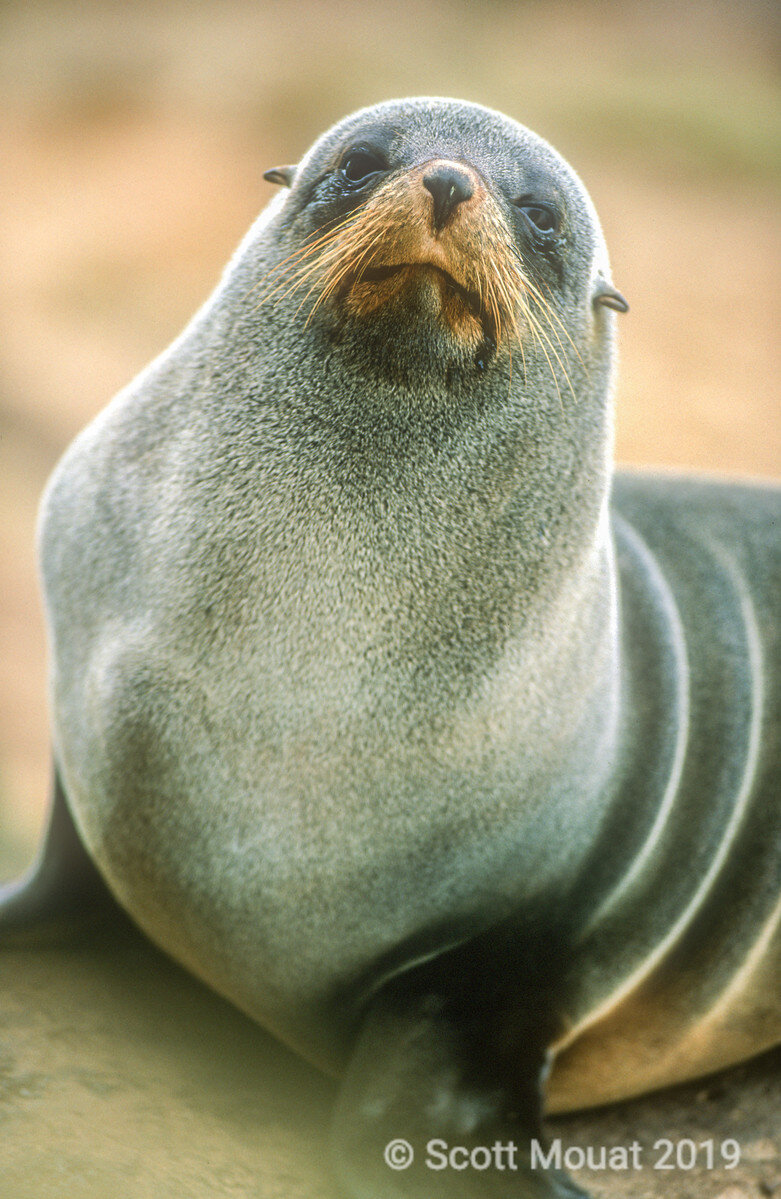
(678, 969)
(369, 707)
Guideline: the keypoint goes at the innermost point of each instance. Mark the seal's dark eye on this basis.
(359, 165)
(544, 219)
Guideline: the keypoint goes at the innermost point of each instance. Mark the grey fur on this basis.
(342, 668)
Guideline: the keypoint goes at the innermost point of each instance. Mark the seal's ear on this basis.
(282, 175)
(605, 293)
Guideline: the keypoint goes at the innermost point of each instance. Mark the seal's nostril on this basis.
(449, 187)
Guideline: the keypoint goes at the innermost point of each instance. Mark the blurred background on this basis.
(134, 138)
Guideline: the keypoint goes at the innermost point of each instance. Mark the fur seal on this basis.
(380, 706)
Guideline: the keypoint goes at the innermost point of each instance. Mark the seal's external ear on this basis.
(605, 293)
(282, 175)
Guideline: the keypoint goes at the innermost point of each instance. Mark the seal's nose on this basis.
(449, 185)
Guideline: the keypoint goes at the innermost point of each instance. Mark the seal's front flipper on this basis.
(62, 894)
(442, 1096)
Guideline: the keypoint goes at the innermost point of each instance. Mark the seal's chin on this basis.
(420, 287)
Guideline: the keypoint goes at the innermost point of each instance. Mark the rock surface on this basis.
(120, 1075)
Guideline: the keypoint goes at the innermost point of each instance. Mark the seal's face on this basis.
(430, 231)
(421, 217)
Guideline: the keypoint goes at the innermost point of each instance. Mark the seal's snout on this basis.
(450, 184)
(427, 240)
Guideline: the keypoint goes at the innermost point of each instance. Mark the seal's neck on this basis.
(457, 520)
(434, 574)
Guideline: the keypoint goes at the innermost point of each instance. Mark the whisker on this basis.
(548, 308)
(331, 251)
(519, 287)
(354, 261)
(322, 240)
(303, 251)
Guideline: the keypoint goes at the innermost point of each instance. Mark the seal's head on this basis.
(446, 226)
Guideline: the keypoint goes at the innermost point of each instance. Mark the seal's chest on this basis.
(234, 827)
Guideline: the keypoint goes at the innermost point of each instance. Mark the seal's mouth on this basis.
(392, 277)
(471, 299)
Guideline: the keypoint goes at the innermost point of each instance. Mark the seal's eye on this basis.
(359, 165)
(542, 218)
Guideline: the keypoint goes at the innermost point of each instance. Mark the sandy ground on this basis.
(120, 1076)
